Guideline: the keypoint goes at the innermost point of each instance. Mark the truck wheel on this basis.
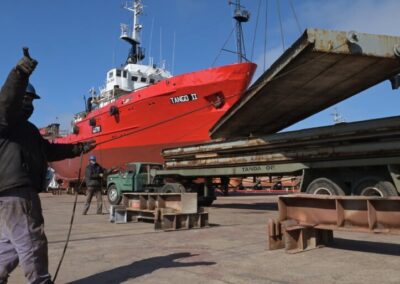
(113, 195)
(324, 186)
(374, 186)
(173, 188)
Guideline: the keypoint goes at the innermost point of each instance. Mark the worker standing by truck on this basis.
(93, 178)
(24, 154)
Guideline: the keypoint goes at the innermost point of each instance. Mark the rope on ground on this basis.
(71, 221)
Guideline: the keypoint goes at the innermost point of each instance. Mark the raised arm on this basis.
(13, 91)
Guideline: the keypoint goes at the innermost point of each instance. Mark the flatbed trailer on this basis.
(359, 158)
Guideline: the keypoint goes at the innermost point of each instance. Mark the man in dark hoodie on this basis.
(23, 163)
(93, 178)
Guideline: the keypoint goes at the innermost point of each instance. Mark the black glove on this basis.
(87, 146)
(26, 65)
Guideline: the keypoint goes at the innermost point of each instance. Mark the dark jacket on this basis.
(24, 153)
(92, 175)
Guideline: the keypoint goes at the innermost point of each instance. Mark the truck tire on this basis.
(324, 186)
(113, 195)
(173, 188)
(375, 186)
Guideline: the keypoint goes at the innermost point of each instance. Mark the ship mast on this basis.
(240, 16)
(136, 53)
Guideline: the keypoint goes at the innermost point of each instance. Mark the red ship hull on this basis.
(174, 112)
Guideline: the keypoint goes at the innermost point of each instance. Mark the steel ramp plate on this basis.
(320, 69)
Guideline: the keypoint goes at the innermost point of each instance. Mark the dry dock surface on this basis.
(232, 250)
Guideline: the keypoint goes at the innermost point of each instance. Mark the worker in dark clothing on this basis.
(24, 154)
(93, 178)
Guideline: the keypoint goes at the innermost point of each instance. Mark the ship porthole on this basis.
(75, 129)
(92, 122)
(113, 110)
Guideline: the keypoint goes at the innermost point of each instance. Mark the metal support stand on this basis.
(295, 238)
(308, 221)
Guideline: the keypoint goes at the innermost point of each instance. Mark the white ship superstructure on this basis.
(132, 75)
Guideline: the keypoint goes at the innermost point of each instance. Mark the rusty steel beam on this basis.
(308, 221)
(305, 154)
(367, 130)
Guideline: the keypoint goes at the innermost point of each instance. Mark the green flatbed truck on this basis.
(149, 177)
(134, 177)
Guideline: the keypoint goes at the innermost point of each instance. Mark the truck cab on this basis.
(134, 177)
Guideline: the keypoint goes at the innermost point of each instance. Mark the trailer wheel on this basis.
(324, 186)
(114, 197)
(374, 186)
(173, 188)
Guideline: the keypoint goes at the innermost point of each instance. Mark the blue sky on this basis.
(76, 42)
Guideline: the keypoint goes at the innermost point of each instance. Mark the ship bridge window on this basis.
(143, 79)
(110, 75)
(124, 74)
(152, 81)
(134, 78)
(118, 73)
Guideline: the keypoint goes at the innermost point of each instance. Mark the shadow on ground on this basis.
(140, 268)
(248, 206)
(366, 246)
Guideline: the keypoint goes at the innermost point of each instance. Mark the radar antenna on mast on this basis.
(136, 53)
(241, 16)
